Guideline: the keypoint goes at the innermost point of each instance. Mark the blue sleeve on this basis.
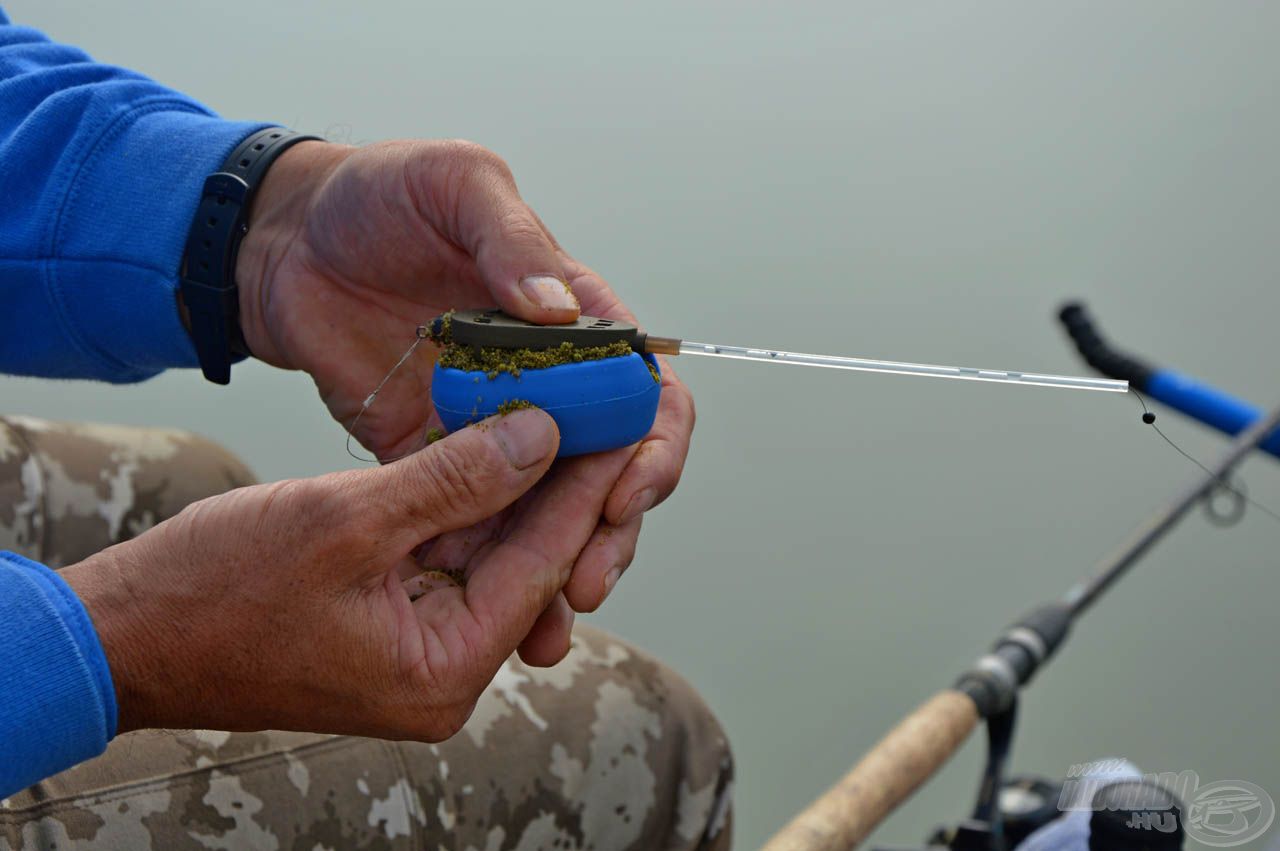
(57, 702)
(100, 173)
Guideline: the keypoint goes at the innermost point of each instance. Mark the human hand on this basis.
(285, 606)
(350, 249)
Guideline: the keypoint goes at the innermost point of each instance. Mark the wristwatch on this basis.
(207, 284)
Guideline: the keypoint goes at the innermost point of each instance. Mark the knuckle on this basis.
(455, 149)
(683, 405)
(628, 554)
(291, 496)
(195, 520)
(326, 502)
(487, 161)
(518, 225)
(330, 496)
(458, 479)
(475, 159)
(625, 551)
(349, 506)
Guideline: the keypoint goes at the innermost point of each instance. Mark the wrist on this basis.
(277, 220)
(143, 662)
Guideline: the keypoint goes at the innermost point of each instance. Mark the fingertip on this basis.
(600, 564)
(589, 594)
(551, 637)
(611, 579)
(528, 437)
(459, 480)
(582, 592)
(641, 487)
(649, 478)
(540, 299)
(551, 297)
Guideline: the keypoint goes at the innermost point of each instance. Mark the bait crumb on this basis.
(434, 434)
(435, 578)
(512, 405)
(457, 575)
(653, 370)
(493, 362)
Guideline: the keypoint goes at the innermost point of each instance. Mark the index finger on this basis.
(655, 470)
(521, 573)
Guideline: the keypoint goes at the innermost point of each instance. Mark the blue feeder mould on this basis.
(598, 405)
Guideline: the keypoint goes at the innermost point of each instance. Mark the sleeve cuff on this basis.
(58, 703)
(130, 211)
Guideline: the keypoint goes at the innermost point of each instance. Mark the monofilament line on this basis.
(1149, 418)
(420, 334)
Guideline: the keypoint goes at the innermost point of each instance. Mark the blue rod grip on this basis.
(1208, 405)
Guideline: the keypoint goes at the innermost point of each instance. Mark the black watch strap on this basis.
(208, 284)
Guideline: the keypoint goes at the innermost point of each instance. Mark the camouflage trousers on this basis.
(607, 750)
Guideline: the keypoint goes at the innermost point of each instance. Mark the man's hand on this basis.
(349, 249)
(300, 605)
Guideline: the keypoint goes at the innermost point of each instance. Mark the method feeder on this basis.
(612, 402)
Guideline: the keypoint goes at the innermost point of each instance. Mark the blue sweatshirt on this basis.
(100, 173)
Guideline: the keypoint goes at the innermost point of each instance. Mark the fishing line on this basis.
(422, 332)
(1223, 484)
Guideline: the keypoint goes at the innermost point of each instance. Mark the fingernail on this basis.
(611, 579)
(549, 292)
(526, 437)
(639, 504)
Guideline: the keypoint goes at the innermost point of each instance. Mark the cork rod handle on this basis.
(884, 778)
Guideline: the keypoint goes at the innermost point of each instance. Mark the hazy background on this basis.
(917, 181)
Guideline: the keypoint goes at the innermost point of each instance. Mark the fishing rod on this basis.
(494, 329)
(920, 744)
(1179, 391)
(600, 379)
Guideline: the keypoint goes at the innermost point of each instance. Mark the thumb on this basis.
(469, 476)
(517, 259)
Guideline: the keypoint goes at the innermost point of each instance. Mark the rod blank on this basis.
(925, 370)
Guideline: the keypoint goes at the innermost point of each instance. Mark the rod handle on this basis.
(885, 777)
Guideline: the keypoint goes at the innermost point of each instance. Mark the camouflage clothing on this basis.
(70, 490)
(607, 750)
